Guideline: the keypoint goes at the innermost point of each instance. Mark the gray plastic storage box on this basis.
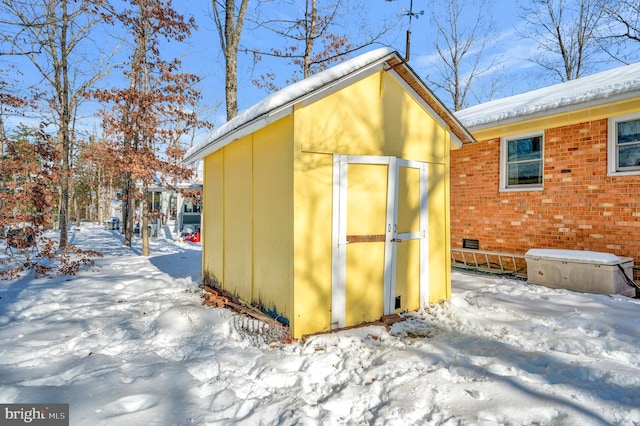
(585, 271)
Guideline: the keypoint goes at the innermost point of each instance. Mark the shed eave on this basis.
(232, 133)
(390, 61)
(240, 132)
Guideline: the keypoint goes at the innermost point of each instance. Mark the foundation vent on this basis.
(470, 244)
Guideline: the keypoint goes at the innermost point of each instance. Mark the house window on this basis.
(173, 203)
(153, 199)
(521, 162)
(192, 205)
(624, 144)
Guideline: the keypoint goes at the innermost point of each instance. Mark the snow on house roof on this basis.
(604, 87)
(276, 105)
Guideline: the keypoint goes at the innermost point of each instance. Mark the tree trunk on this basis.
(127, 210)
(98, 212)
(231, 86)
(310, 35)
(144, 228)
(62, 91)
(229, 33)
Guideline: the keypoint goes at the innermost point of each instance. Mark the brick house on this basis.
(557, 167)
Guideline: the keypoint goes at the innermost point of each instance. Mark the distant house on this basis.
(328, 203)
(557, 167)
(172, 207)
(168, 207)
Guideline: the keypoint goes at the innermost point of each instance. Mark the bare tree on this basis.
(315, 38)
(462, 35)
(621, 32)
(229, 23)
(565, 33)
(627, 13)
(50, 34)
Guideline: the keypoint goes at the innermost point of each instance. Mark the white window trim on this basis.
(504, 175)
(612, 149)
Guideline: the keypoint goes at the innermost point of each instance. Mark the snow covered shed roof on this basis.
(280, 103)
(605, 87)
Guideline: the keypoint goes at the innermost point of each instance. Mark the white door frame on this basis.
(339, 232)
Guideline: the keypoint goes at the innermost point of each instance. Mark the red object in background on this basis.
(194, 238)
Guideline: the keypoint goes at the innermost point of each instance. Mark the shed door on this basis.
(379, 236)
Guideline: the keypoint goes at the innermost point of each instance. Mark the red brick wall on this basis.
(580, 208)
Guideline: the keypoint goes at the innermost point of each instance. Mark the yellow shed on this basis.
(328, 203)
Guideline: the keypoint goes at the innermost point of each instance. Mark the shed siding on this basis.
(212, 235)
(273, 218)
(238, 212)
(374, 116)
(248, 232)
(313, 177)
(409, 132)
(345, 122)
(439, 241)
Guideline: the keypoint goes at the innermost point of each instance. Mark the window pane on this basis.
(152, 200)
(629, 155)
(628, 131)
(524, 149)
(525, 173)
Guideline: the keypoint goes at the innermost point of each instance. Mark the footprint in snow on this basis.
(130, 404)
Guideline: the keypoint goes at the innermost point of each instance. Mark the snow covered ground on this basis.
(129, 343)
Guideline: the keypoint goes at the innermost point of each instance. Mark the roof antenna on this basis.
(410, 13)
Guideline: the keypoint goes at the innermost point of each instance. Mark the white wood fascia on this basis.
(339, 242)
(424, 241)
(390, 248)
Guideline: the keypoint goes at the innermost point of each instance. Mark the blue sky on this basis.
(513, 72)
(201, 54)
